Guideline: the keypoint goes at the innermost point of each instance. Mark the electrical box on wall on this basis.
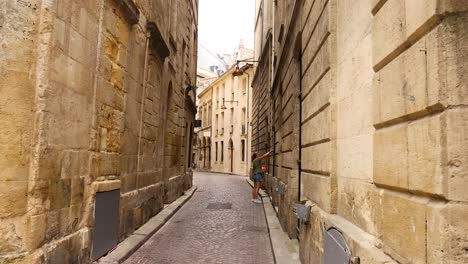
(280, 189)
(302, 212)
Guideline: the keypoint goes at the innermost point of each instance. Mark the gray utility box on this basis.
(106, 223)
(336, 250)
(302, 212)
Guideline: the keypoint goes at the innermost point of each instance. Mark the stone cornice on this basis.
(130, 10)
(157, 41)
(191, 104)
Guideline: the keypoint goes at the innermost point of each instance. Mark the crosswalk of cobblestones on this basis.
(219, 224)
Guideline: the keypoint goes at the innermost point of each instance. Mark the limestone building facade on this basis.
(230, 132)
(97, 97)
(365, 104)
(205, 109)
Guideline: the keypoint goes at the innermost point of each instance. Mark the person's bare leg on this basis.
(254, 191)
(257, 189)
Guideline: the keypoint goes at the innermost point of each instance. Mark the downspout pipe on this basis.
(299, 161)
(247, 126)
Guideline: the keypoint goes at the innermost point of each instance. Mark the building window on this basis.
(243, 150)
(217, 97)
(244, 117)
(244, 86)
(223, 93)
(222, 151)
(216, 151)
(244, 125)
(232, 116)
(190, 141)
(209, 115)
(205, 117)
(222, 121)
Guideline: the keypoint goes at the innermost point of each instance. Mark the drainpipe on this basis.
(263, 18)
(272, 72)
(272, 101)
(272, 58)
(247, 125)
(299, 162)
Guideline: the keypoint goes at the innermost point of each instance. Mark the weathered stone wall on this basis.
(260, 109)
(88, 101)
(383, 128)
(17, 71)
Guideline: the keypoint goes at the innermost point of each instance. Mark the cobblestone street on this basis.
(219, 224)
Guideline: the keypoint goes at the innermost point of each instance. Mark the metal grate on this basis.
(219, 206)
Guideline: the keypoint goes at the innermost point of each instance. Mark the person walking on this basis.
(258, 174)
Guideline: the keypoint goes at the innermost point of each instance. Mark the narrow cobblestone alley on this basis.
(219, 224)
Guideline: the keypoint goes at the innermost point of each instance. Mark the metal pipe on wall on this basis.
(299, 163)
(247, 125)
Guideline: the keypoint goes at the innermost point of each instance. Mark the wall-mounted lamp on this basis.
(223, 106)
(240, 70)
(190, 88)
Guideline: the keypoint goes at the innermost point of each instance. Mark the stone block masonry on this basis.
(91, 102)
(379, 148)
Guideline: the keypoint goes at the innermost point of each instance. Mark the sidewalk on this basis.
(140, 236)
(286, 251)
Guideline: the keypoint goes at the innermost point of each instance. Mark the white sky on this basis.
(222, 23)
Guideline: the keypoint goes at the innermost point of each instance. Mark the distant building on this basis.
(231, 101)
(223, 138)
(203, 144)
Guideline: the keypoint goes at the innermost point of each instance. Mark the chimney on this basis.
(241, 44)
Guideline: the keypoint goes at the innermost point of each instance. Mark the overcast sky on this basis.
(222, 23)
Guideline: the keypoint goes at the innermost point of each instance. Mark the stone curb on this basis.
(285, 250)
(129, 245)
